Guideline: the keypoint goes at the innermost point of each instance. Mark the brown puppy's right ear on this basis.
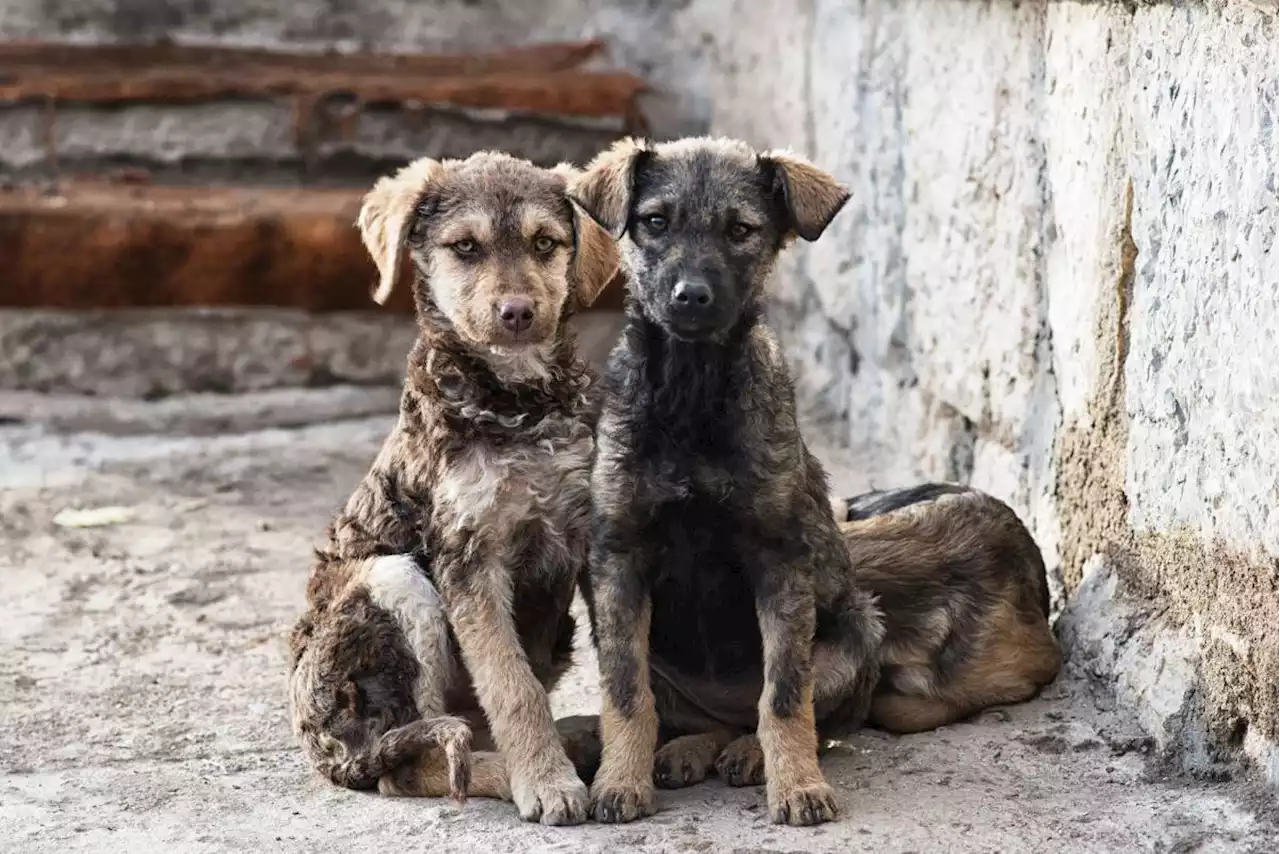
(595, 259)
(605, 187)
(387, 215)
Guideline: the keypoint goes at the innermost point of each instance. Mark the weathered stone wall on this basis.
(1056, 280)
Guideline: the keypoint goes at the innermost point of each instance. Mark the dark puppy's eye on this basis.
(544, 245)
(657, 223)
(464, 247)
(739, 231)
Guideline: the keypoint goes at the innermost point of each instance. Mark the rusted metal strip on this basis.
(565, 93)
(98, 245)
(30, 58)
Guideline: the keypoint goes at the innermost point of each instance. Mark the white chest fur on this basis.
(492, 492)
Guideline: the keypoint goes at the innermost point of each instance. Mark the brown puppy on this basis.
(445, 584)
(718, 573)
(965, 600)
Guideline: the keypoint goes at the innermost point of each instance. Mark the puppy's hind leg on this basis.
(430, 756)
(442, 744)
(846, 666)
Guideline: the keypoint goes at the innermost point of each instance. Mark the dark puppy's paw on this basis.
(741, 763)
(681, 762)
(616, 804)
(802, 806)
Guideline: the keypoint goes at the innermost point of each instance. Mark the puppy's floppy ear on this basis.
(387, 215)
(811, 197)
(605, 188)
(595, 257)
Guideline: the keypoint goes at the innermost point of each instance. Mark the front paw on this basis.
(802, 805)
(556, 797)
(614, 803)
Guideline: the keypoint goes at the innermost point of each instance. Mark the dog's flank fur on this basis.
(445, 583)
(965, 599)
(712, 516)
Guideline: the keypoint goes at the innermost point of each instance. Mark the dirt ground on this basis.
(142, 675)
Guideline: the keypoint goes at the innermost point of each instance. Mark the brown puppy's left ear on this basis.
(387, 215)
(605, 188)
(812, 197)
(595, 257)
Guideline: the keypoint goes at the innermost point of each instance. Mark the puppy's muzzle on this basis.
(692, 306)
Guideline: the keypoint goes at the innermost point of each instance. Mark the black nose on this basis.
(692, 297)
(516, 314)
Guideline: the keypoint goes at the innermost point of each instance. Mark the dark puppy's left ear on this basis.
(811, 197)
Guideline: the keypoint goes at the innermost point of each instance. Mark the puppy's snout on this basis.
(692, 297)
(516, 314)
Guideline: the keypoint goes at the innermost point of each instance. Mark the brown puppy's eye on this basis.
(739, 232)
(464, 247)
(544, 245)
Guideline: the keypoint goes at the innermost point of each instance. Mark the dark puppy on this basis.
(717, 571)
(445, 585)
(965, 599)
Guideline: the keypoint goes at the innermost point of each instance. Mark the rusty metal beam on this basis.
(98, 245)
(538, 79)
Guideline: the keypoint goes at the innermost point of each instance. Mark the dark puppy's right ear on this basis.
(605, 189)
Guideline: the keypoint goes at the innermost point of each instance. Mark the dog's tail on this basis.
(409, 744)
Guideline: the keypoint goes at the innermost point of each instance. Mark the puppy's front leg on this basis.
(798, 794)
(623, 787)
(477, 595)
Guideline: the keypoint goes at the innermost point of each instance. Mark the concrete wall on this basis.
(1056, 280)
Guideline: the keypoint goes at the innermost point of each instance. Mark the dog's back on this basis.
(965, 599)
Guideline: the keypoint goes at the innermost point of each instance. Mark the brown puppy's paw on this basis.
(803, 805)
(617, 803)
(682, 762)
(556, 798)
(741, 763)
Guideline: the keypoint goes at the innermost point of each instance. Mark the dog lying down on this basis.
(440, 601)
(965, 599)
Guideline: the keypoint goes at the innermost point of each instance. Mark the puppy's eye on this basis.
(739, 231)
(657, 223)
(544, 245)
(464, 247)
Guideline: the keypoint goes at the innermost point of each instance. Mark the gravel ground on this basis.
(142, 675)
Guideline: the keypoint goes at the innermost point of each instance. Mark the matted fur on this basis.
(718, 571)
(444, 587)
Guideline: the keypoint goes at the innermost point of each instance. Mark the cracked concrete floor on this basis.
(142, 676)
